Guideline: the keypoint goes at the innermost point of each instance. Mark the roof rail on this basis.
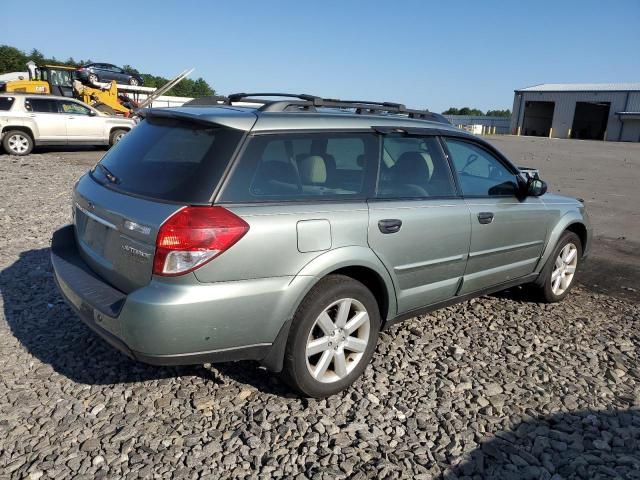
(311, 103)
(237, 97)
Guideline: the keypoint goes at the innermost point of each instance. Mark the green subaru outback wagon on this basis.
(291, 229)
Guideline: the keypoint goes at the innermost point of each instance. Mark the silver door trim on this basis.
(429, 263)
(505, 249)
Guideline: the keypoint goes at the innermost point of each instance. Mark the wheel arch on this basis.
(572, 221)
(21, 128)
(581, 230)
(359, 263)
(114, 128)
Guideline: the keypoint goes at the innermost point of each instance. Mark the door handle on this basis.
(485, 217)
(390, 225)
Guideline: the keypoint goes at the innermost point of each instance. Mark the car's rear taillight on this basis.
(193, 236)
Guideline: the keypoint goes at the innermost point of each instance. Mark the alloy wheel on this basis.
(337, 340)
(18, 144)
(564, 269)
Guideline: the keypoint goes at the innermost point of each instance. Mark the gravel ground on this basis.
(495, 388)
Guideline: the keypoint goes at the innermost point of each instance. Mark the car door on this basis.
(419, 226)
(507, 232)
(83, 124)
(103, 72)
(120, 75)
(50, 124)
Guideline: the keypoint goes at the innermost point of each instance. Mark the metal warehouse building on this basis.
(590, 111)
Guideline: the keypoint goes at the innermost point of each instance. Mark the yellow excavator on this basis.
(108, 98)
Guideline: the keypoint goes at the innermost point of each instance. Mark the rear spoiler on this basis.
(239, 122)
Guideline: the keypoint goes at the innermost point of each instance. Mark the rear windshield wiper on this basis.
(107, 173)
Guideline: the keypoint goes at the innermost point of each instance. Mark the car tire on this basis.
(558, 274)
(93, 78)
(134, 82)
(332, 338)
(116, 136)
(17, 142)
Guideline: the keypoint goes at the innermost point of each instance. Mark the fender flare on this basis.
(568, 219)
(318, 268)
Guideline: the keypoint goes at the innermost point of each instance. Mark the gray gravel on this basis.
(495, 388)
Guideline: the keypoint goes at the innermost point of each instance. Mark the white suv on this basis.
(28, 120)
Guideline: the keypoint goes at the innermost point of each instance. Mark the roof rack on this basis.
(288, 102)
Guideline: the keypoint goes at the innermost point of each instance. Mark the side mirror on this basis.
(92, 113)
(536, 187)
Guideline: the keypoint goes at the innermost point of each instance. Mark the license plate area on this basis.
(94, 234)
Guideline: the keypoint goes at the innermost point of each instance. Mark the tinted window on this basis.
(170, 160)
(290, 166)
(5, 103)
(480, 173)
(73, 108)
(41, 105)
(413, 167)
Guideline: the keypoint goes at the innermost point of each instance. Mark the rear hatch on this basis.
(162, 165)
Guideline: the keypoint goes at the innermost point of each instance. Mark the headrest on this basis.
(312, 169)
(412, 165)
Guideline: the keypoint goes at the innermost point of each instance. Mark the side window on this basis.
(73, 108)
(413, 167)
(5, 103)
(41, 105)
(290, 166)
(480, 172)
(346, 152)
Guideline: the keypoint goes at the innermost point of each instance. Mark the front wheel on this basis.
(560, 269)
(332, 338)
(116, 136)
(17, 142)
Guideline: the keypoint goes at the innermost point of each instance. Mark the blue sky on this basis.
(424, 54)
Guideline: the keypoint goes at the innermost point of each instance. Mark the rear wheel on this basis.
(560, 269)
(134, 82)
(116, 136)
(17, 142)
(332, 337)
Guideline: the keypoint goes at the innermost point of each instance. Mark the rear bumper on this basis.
(177, 321)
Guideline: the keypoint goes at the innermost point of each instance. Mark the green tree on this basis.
(499, 113)
(12, 59)
(36, 55)
(470, 111)
(462, 111)
(202, 88)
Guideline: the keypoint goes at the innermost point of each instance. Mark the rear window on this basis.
(5, 103)
(284, 167)
(169, 160)
(41, 105)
